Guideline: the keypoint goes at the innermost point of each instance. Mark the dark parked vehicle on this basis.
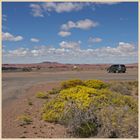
(119, 68)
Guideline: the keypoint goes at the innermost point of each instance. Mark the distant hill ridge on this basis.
(57, 64)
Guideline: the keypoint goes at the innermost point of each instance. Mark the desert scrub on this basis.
(117, 122)
(97, 84)
(42, 95)
(81, 96)
(24, 120)
(107, 116)
(93, 110)
(125, 88)
(82, 124)
(54, 91)
(71, 83)
(53, 110)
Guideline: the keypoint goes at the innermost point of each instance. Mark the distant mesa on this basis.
(48, 62)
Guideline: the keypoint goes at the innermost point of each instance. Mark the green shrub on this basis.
(71, 83)
(42, 95)
(97, 84)
(24, 120)
(85, 130)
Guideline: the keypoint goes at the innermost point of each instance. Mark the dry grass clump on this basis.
(91, 109)
(42, 95)
(24, 120)
(117, 122)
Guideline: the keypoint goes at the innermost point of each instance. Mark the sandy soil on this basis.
(18, 88)
(11, 127)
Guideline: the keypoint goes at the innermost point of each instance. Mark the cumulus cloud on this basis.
(64, 33)
(36, 10)
(34, 40)
(71, 52)
(18, 52)
(81, 24)
(9, 37)
(63, 6)
(39, 10)
(70, 45)
(93, 40)
(123, 49)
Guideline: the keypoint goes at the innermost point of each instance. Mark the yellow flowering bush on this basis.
(90, 108)
(71, 83)
(53, 110)
(97, 84)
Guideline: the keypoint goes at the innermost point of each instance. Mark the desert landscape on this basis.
(19, 96)
(70, 69)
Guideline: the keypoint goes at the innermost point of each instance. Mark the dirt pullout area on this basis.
(11, 128)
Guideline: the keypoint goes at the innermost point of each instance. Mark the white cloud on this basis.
(39, 10)
(107, 3)
(4, 17)
(64, 33)
(36, 10)
(9, 37)
(63, 6)
(18, 52)
(71, 52)
(123, 49)
(70, 45)
(93, 40)
(34, 40)
(81, 24)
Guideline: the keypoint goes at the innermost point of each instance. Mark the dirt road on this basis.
(16, 83)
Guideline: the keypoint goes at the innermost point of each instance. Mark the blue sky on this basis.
(70, 32)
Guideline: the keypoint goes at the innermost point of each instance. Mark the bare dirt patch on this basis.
(38, 128)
